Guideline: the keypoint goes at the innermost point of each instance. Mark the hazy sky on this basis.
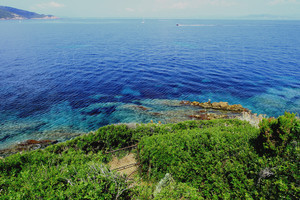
(159, 8)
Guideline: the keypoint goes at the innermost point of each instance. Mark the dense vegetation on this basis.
(5, 14)
(216, 159)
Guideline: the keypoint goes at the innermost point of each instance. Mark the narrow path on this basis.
(118, 164)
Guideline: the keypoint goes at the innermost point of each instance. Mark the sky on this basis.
(194, 9)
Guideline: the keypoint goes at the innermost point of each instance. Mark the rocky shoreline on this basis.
(182, 111)
(217, 106)
(27, 145)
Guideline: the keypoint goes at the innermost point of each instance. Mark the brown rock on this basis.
(208, 116)
(200, 117)
(223, 104)
(205, 105)
(155, 113)
(238, 107)
(195, 103)
(215, 105)
(26, 146)
(138, 107)
(185, 102)
(218, 106)
(143, 108)
(33, 142)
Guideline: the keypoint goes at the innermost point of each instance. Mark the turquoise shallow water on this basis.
(62, 78)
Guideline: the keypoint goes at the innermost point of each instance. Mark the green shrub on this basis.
(276, 134)
(221, 162)
(70, 175)
(117, 136)
(178, 191)
(211, 159)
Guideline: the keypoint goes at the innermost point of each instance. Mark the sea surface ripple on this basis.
(64, 77)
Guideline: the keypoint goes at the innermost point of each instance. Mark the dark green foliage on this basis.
(117, 136)
(174, 190)
(178, 191)
(220, 161)
(213, 159)
(5, 14)
(277, 134)
(70, 175)
(104, 139)
(205, 158)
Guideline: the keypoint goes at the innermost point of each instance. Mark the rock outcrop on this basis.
(26, 146)
(217, 106)
(208, 116)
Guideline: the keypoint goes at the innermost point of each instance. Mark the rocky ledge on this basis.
(217, 106)
(26, 146)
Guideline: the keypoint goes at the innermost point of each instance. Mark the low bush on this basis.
(117, 136)
(70, 175)
(211, 159)
(178, 191)
(221, 162)
(276, 134)
(216, 159)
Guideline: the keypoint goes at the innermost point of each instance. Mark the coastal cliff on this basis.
(9, 13)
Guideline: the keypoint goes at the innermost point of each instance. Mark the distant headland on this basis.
(9, 13)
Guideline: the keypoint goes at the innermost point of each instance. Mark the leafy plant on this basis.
(213, 159)
(276, 134)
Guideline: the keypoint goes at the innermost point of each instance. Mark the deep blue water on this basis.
(73, 76)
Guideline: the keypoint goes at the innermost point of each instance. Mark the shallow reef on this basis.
(142, 111)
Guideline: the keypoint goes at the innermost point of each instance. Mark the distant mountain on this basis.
(14, 13)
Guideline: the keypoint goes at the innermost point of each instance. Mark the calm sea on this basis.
(64, 77)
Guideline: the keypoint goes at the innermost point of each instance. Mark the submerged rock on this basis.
(136, 107)
(155, 113)
(143, 108)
